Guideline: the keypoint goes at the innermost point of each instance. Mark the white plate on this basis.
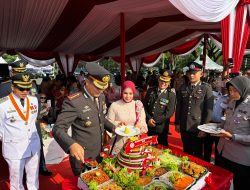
(210, 128)
(133, 131)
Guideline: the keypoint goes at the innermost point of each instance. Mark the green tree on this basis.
(214, 52)
(9, 58)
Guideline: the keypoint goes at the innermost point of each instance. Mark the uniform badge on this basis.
(88, 123)
(12, 119)
(86, 109)
(164, 101)
(199, 91)
(33, 108)
(104, 108)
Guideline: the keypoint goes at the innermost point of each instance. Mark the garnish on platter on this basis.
(127, 131)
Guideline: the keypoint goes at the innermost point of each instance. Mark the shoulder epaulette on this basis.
(4, 99)
(7, 81)
(74, 96)
(205, 83)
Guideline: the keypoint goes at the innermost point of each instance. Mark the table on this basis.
(53, 153)
(219, 179)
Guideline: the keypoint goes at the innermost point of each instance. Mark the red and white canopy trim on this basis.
(235, 32)
(187, 47)
(205, 10)
(217, 41)
(69, 29)
(151, 61)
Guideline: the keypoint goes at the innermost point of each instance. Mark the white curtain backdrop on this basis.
(205, 10)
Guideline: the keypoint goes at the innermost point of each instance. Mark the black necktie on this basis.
(22, 102)
(192, 87)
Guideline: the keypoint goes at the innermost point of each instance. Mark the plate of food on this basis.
(127, 131)
(213, 128)
(177, 180)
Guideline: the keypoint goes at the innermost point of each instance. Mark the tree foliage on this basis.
(9, 58)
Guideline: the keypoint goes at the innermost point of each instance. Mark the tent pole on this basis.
(122, 46)
(205, 53)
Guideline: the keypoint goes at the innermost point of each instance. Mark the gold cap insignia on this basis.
(165, 74)
(21, 65)
(106, 78)
(26, 78)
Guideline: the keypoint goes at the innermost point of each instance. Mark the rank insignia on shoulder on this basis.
(74, 96)
(4, 99)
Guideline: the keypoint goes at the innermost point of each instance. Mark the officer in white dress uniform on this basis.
(20, 140)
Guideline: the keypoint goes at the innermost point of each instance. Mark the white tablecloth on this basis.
(53, 153)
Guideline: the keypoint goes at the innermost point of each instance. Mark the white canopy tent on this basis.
(210, 64)
(2, 61)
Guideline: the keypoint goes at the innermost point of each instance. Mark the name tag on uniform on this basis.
(164, 101)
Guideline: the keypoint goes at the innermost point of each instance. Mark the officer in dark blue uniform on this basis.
(159, 105)
(194, 107)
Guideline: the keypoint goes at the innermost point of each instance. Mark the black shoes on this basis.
(45, 172)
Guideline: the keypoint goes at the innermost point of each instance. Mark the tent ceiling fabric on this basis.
(92, 27)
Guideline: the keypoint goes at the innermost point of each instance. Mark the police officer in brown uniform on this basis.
(194, 107)
(159, 105)
(84, 112)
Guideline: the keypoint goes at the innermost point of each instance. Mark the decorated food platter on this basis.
(150, 168)
(127, 131)
(213, 128)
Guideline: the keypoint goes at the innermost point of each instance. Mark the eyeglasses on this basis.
(23, 89)
(42, 97)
